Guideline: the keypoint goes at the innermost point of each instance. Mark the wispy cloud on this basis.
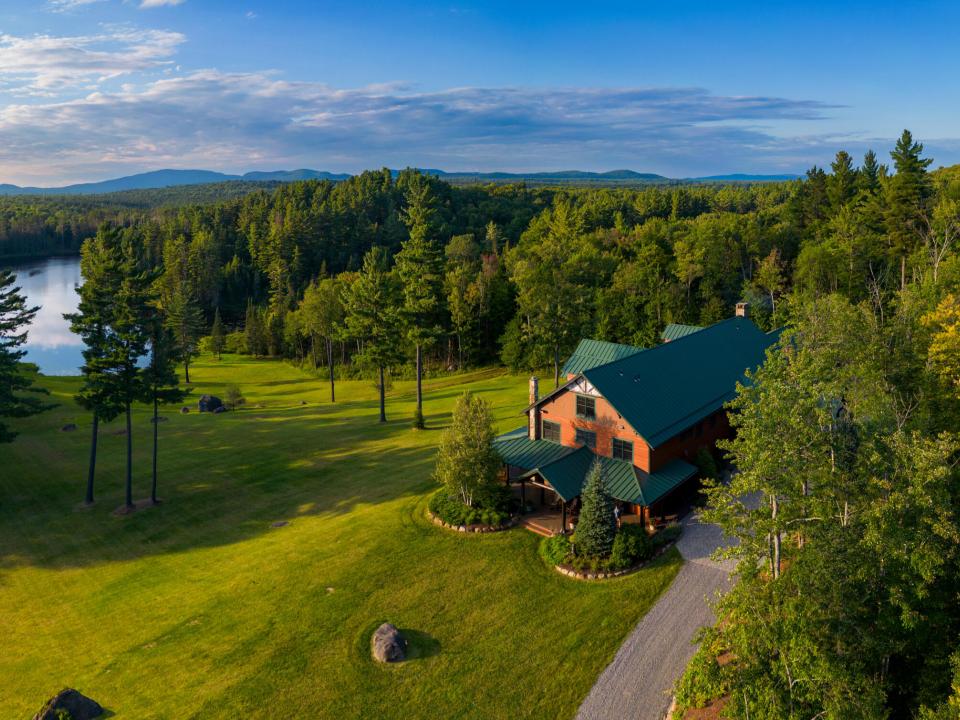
(238, 121)
(159, 3)
(65, 5)
(41, 64)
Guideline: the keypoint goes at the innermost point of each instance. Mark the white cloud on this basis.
(42, 64)
(159, 3)
(238, 121)
(65, 5)
(251, 15)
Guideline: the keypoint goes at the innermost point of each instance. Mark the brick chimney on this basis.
(743, 309)
(533, 416)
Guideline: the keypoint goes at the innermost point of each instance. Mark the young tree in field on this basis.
(419, 268)
(372, 316)
(467, 462)
(907, 197)
(597, 524)
(15, 316)
(160, 381)
(322, 314)
(217, 339)
(100, 266)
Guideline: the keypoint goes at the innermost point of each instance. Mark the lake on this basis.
(51, 283)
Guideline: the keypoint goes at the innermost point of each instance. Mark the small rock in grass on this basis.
(279, 523)
(388, 644)
(218, 410)
(68, 700)
(330, 590)
(69, 427)
(184, 410)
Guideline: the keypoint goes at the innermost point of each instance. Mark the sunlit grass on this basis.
(200, 608)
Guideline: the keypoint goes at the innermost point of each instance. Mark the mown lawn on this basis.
(200, 608)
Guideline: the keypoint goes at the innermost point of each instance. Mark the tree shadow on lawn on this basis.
(219, 484)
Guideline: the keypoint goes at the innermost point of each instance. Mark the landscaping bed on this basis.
(497, 513)
(632, 550)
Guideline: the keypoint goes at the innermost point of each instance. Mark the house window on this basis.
(587, 437)
(622, 450)
(550, 431)
(586, 407)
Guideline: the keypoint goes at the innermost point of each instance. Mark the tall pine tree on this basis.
(908, 195)
(373, 318)
(101, 269)
(419, 267)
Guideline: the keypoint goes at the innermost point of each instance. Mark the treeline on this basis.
(519, 274)
(45, 225)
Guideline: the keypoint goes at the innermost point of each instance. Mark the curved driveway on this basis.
(638, 683)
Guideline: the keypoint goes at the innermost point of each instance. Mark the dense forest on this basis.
(849, 575)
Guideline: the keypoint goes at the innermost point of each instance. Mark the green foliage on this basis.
(467, 463)
(597, 525)
(702, 682)
(706, 464)
(450, 508)
(217, 337)
(631, 546)
(233, 397)
(15, 379)
(555, 549)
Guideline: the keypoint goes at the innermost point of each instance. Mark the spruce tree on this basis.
(907, 196)
(217, 340)
(868, 177)
(185, 319)
(842, 183)
(14, 318)
(597, 525)
(420, 271)
(373, 318)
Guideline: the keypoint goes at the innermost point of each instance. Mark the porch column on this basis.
(563, 516)
(523, 494)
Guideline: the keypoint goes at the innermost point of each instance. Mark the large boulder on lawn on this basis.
(78, 705)
(209, 403)
(389, 645)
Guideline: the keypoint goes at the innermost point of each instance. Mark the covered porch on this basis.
(547, 479)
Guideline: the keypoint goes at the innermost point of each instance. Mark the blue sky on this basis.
(91, 89)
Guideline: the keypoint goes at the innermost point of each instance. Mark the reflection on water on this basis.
(51, 284)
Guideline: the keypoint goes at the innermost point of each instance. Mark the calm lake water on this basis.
(51, 284)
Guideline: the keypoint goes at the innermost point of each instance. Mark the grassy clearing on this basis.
(199, 608)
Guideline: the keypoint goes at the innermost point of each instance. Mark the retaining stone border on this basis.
(512, 522)
(606, 574)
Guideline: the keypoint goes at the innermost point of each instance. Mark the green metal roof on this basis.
(675, 331)
(517, 449)
(591, 353)
(567, 473)
(668, 388)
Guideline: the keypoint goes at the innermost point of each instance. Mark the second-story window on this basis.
(622, 450)
(550, 431)
(586, 407)
(587, 437)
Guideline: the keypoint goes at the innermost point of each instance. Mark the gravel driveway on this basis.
(638, 682)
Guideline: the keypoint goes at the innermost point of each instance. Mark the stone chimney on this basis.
(743, 309)
(533, 415)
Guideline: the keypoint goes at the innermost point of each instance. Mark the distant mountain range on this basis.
(170, 178)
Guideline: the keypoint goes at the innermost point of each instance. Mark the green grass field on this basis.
(199, 608)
